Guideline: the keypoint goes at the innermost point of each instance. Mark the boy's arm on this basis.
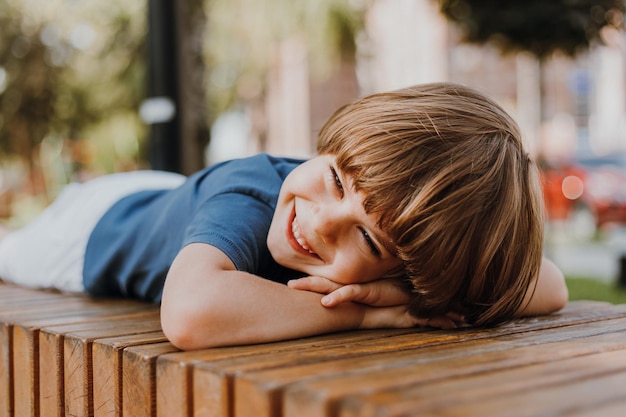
(207, 302)
(379, 293)
(550, 293)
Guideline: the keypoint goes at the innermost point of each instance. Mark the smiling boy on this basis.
(422, 208)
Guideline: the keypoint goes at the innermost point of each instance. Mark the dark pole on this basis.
(161, 109)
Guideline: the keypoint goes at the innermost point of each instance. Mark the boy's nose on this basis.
(328, 222)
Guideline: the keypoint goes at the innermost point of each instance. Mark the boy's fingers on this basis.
(377, 294)
(314, 284)
(352, 292)
(382, 293)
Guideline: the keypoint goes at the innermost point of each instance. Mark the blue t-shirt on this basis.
(229, 205)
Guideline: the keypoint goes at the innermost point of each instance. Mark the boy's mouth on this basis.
(297, 233)
(297, 239)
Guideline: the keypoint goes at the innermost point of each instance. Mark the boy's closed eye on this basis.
(370, 243)
(336, 181)
(340, 192)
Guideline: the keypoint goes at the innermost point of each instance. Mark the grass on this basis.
(593, 289)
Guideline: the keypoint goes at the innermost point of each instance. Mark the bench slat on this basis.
(275, 371)
(21, 321)
(139, 379)
(569, 394)
(68, 354)
(26, 350)
(479, 387)
(78, 366)
(107, 370)
(52, 353)
(174, 370)
(612, 409)
(22, 304)
(415, 387)
(389, 373)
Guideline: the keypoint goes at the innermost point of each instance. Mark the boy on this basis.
(421, 208)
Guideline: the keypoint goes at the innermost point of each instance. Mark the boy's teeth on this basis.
(295, 229)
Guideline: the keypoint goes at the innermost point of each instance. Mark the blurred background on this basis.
(93, 87)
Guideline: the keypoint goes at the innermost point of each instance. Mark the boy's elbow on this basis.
(549, 296)
(190, 326)
(186, 328)
(178, 328)
(558, 295)
(561, 296)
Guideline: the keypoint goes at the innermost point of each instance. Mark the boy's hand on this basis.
(386, 293)
(379, 293)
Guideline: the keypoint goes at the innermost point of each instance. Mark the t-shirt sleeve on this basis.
(235, 223)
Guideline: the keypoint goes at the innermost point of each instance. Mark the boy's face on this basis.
(321, 228)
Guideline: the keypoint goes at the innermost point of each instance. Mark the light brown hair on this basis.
(444, 169)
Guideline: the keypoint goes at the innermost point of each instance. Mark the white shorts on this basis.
(49, 252)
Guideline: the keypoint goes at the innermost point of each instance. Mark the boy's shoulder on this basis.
(262, 160)
(261, 167)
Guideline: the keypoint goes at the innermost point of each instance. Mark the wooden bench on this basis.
(68, 355)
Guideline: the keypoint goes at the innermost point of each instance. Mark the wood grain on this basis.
(317, 393)
(26, 346)
(107, 357)
(139, 379)
(175, 371)
(70, 355)
(78, 365)
(258, 380)
(52, 359)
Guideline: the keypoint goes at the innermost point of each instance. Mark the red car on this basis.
(587, 193)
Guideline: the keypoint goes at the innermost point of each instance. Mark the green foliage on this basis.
(64, 73)
(538, 26)
(593, 289)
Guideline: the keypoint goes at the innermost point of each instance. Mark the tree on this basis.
(62, 74)
(538, 26)
(29, 89)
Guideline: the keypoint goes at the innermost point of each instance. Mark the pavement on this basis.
(598, 258)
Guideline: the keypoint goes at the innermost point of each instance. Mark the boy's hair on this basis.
(444, 169)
